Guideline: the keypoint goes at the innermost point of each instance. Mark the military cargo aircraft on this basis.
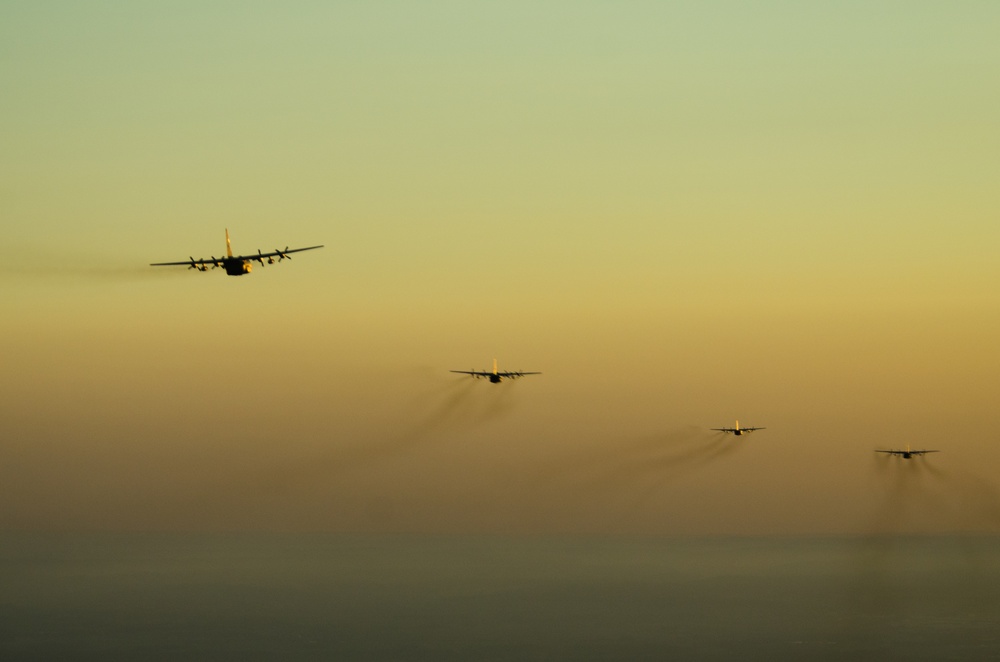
(738, 431)
(495, 376)
(906, 454)
(236, 265)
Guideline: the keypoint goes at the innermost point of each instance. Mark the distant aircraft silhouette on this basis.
(236, 265)
(906, 454)
(495, 376)
(738, 431)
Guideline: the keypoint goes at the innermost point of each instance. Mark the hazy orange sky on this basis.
(681, 213)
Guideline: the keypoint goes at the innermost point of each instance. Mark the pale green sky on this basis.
(682, 213)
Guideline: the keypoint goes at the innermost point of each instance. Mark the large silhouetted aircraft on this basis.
(495, 376)
(236, 265)
(738, 431)
(908, 453)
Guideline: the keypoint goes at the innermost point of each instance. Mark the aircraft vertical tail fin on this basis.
(229, 248)
(494, 366)
(737, 424)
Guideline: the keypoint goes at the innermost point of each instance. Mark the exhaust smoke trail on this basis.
(338, 461)
(443, 409)
(47, 268)
(978, 497)
(917, 486)
(667, 469)
(631, 471)
(907, 492)
(678, 454)
(916, 489)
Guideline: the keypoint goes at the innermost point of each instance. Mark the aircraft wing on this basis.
(724, 429)
(217, 262)
(922, 452)
(487, 373)
(276, 253)
(201, 265)
(191, 263)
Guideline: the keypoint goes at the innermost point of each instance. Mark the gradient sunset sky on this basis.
(682, 213)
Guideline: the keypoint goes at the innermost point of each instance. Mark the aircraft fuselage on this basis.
(236, 267)
(495, 379)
